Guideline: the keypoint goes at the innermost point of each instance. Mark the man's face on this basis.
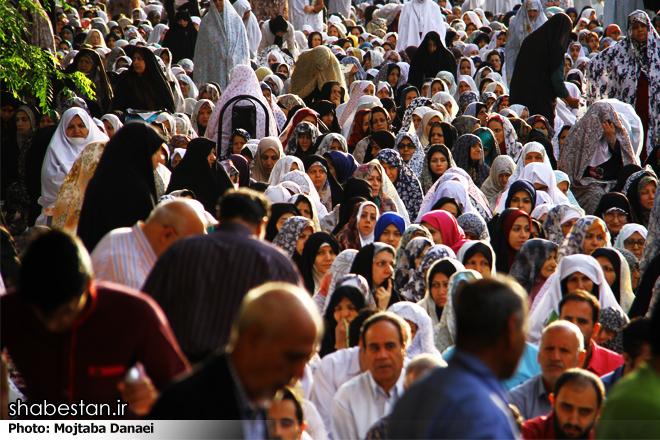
(559, 351)
(580, 314)
(282, 421)
(576, 410)
(384, 352)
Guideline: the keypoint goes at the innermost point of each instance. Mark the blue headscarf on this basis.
(387, 219)
(344, 163)
(521, 185)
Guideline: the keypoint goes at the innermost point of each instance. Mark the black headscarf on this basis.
(444, 200)
(324, 108)
(326, 92)
(335, 187)
(364, 265)
(309, 39)
(277, 210)
(615, 259)
(278, 24)
(640, 305)
(384, 139)
(640, 214)
(427, 65)
(521, 185)
(613, 200)
(208, 183)
(541, 54)
(122, 190)
(147, 91)
(310, 250)
(181, 40)
(98, 77)
(356, 297)
(624, 174)
(439, 148)
(34, 160)
(450, 134)
(462, 151)
(346, 211)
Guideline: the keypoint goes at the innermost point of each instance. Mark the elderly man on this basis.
(361, 401)
(562, 347)
(127, 255)
(274, 335)
(490, 319)
(576, 404)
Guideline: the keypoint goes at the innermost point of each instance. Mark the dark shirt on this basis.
(117, 328)
(200, 283)
(612, 378)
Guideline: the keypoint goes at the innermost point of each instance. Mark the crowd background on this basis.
(394, 153)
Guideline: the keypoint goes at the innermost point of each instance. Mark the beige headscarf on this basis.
(267, 143)
(314, 68)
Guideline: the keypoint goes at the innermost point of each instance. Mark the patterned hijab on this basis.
(407, 185)
(474, 223)
(574, 242)
(531, 257)
(478, 171)
(415, 289)
(416, 162)
(422, 343)
(445, 332)
(428, 178)
(287, 237)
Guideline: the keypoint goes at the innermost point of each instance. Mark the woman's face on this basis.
(318, 175)
(138, 63)
(463, 87)
(203, 116)
(608, 269)
(304, 141)
(499, 91)
(575, 51)
(23, 122)
(95, 39)
(345, 311)
(593, 239)
(379, 121)
(109, 129)
(439, 285)
(634, 278)
(158, 157)
(406, 148)
(593, 43)
(425, 89)
(370, 90)
(283, 69)
(391, 235)
(476, 152)
(268, 160)
(436, 87)
(436, 137)
(266, 93)
(439, 163)
(540, 125)
(335, 146)
(333, 32)
(367, 220)
(45, 121)
(635, 244)
(501, 40)
(212, 158)
(325, 256)
(77, 128)
(282, 219)
(435, 233)
(316, 40)
(562, 138)
(335, 95)
(176, 160)
(383, 93)
(165, 57)
(375, 180)
(272, 59)
(479, 263)
(302, 239)
(85, 65)
(366, 122)
(647, 195)
(567, 226)
(237, 144)
(410, 96)
(550, 265)
(503, 178)
(533, 156)
(327, 119)
(432, 121)
(470, 28)
(64, 47)
(482, 116)
(450, 208)
(519, 233)
(615, 220)
(522, 200)
(391, 172)
(305, 209)
(383, 267)
(498, 130)
(568, 65)
(416, 121)
(580, 281)
(563, 187)
(466, 68)
(640, 32)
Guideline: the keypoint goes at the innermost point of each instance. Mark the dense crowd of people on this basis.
(331, 220)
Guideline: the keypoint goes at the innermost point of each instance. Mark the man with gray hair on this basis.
(274, 335)
(127, 255)
(466, 399)
(561, 348)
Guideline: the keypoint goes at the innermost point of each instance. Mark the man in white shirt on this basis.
(127, 255)
(363, 400)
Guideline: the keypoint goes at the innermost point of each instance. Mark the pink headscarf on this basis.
(452, 234)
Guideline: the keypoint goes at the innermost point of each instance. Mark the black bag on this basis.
(243, 116)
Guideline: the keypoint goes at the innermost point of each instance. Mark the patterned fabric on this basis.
(222, 44)
(491, 187)
(405, 265)
(519, 29)
(415, 289)
(70, 198)
(341, 266)
(613, 320)
(423, 341)
(444, 333)
(561, 176)
(407, 116)
(554, 220)
(465, 100)
(287, 237)
(652, 246)
(477, 199)
(305, 184)
(462, 151)
(416, 162)
(474, 223)
(579, 148)
(303, 127)
(282, 168)
(452, 189)
(389, 198)
(407, 185)
(327, 142)
(511, 144)
(530, 260)
(465, 124)
(614, 73)
(574, 242)
(427, 179)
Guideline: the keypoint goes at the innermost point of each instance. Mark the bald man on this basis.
(127, 255)
(561, 348)
(274, 335)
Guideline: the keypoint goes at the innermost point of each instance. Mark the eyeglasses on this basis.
(621, 217)
(635, 243)
(403, 146)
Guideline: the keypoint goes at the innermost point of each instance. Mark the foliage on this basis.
(25, 68)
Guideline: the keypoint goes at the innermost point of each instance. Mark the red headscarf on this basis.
(498, 118)
(297, 119)
(357, 134)
(611, 28)
(508, 224)
(452, 234)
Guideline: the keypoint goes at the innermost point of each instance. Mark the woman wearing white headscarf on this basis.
(529, 18)
(156, 34)
(244, 10)
(76, 130)
(444, 333)
(545, 308)
(422, 342)
(419, 17)
(541, 174)
(222, 44)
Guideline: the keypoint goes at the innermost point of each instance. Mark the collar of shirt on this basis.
(602, 360)
(247, 406)
(144, 244)
(478, 368)
(395, 392)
